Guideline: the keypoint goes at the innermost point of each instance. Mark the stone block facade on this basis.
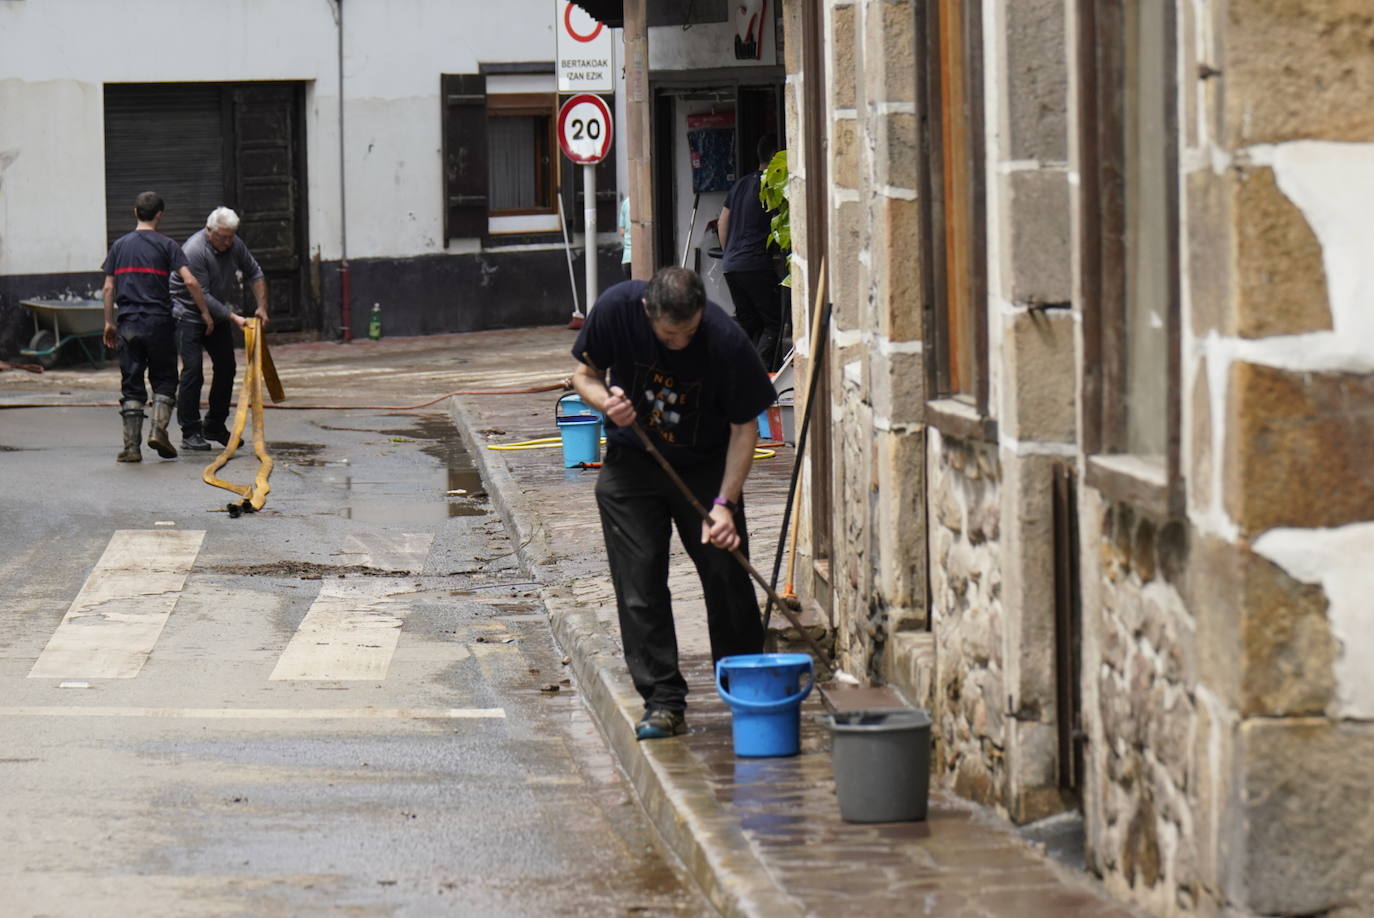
(1194, 621)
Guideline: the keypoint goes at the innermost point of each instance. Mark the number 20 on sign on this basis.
(584, 128)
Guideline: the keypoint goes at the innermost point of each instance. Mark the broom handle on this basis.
(735, 552)
(814, 344)
(810, 369)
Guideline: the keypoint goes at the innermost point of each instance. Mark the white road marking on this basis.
(260, 713)
(114, 622)
(346, 634)
(390, 551)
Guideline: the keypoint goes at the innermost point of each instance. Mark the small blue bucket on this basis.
(579, 424)
(764, 693)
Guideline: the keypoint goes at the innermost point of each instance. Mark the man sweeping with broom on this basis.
(685, 379)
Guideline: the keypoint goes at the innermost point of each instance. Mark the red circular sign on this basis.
(572, 30)
(584, 128)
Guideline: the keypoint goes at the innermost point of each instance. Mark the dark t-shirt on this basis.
(746, 244)
(685, 400)
(142, 263)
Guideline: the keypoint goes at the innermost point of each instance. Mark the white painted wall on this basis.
(396, 50)
(55, 58)
(52, 178)
(706, 45)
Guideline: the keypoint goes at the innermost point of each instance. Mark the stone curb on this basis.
(676, 796)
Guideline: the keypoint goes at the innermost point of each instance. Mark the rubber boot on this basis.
(157, 435)
(132, 415)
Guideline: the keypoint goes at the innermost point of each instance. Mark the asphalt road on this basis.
(337, 706)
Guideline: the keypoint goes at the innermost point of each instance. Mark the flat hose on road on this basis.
(528, 390)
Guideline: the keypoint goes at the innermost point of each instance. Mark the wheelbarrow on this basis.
(58, 322)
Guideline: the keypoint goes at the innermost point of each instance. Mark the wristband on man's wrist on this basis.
(725, 502)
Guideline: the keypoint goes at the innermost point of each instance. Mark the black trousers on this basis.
(758, 309)
(146, 344)
(639, 506)
(192, 343)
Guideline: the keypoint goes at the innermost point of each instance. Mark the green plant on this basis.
(773, 196)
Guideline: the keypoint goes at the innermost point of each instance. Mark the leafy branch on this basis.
(773, 197)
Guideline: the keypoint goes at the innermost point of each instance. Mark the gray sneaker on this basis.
(194, 441)
(658, 723)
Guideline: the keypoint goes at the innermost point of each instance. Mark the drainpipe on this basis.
(345, 289)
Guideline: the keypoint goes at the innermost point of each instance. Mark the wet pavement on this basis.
(760, 836)
(422, 752)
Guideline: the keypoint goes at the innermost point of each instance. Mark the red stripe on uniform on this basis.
(143, 271)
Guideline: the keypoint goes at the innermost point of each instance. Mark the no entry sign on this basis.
(585, 50)
(584, 128)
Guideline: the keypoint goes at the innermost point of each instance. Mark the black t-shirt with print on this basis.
(685, 400)
(142, 263)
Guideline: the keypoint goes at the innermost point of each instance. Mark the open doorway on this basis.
(704, 139)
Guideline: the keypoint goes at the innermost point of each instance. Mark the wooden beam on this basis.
(639, 138)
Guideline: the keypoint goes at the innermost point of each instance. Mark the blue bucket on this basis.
(764, 693)
(579, 425)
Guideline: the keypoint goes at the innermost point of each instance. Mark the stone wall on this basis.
(876, 360)
(1140, 656)
(1227, 649)
(967, 618)
(1226, 693)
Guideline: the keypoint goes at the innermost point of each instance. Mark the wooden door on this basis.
(267, 166)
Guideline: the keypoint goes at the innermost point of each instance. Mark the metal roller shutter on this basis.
(169, 139)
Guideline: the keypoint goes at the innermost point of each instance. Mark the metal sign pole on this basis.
(589, 219)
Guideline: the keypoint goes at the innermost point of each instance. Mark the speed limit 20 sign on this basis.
(584, 128)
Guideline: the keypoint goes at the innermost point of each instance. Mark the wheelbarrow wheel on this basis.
(44, 348)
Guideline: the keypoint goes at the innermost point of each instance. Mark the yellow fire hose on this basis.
(257, 369)
(552, 442)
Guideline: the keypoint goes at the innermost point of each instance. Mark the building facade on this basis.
(411, 142)
(1092, 477)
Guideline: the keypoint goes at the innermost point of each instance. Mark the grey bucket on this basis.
(882, 764)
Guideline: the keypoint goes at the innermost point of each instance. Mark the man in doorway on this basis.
(684, 371)
(743, 226)
(138, 272)
(217, 257)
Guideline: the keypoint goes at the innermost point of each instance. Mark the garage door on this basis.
(202, 145)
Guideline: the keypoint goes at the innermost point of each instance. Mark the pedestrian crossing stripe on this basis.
(348, 634)
(115, 620)
(389, 551)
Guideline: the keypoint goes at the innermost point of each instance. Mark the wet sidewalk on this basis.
(761, 836)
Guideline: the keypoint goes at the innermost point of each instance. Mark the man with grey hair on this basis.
(684, 370)
(217, 257)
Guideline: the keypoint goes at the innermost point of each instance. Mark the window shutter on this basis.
(465, 155)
